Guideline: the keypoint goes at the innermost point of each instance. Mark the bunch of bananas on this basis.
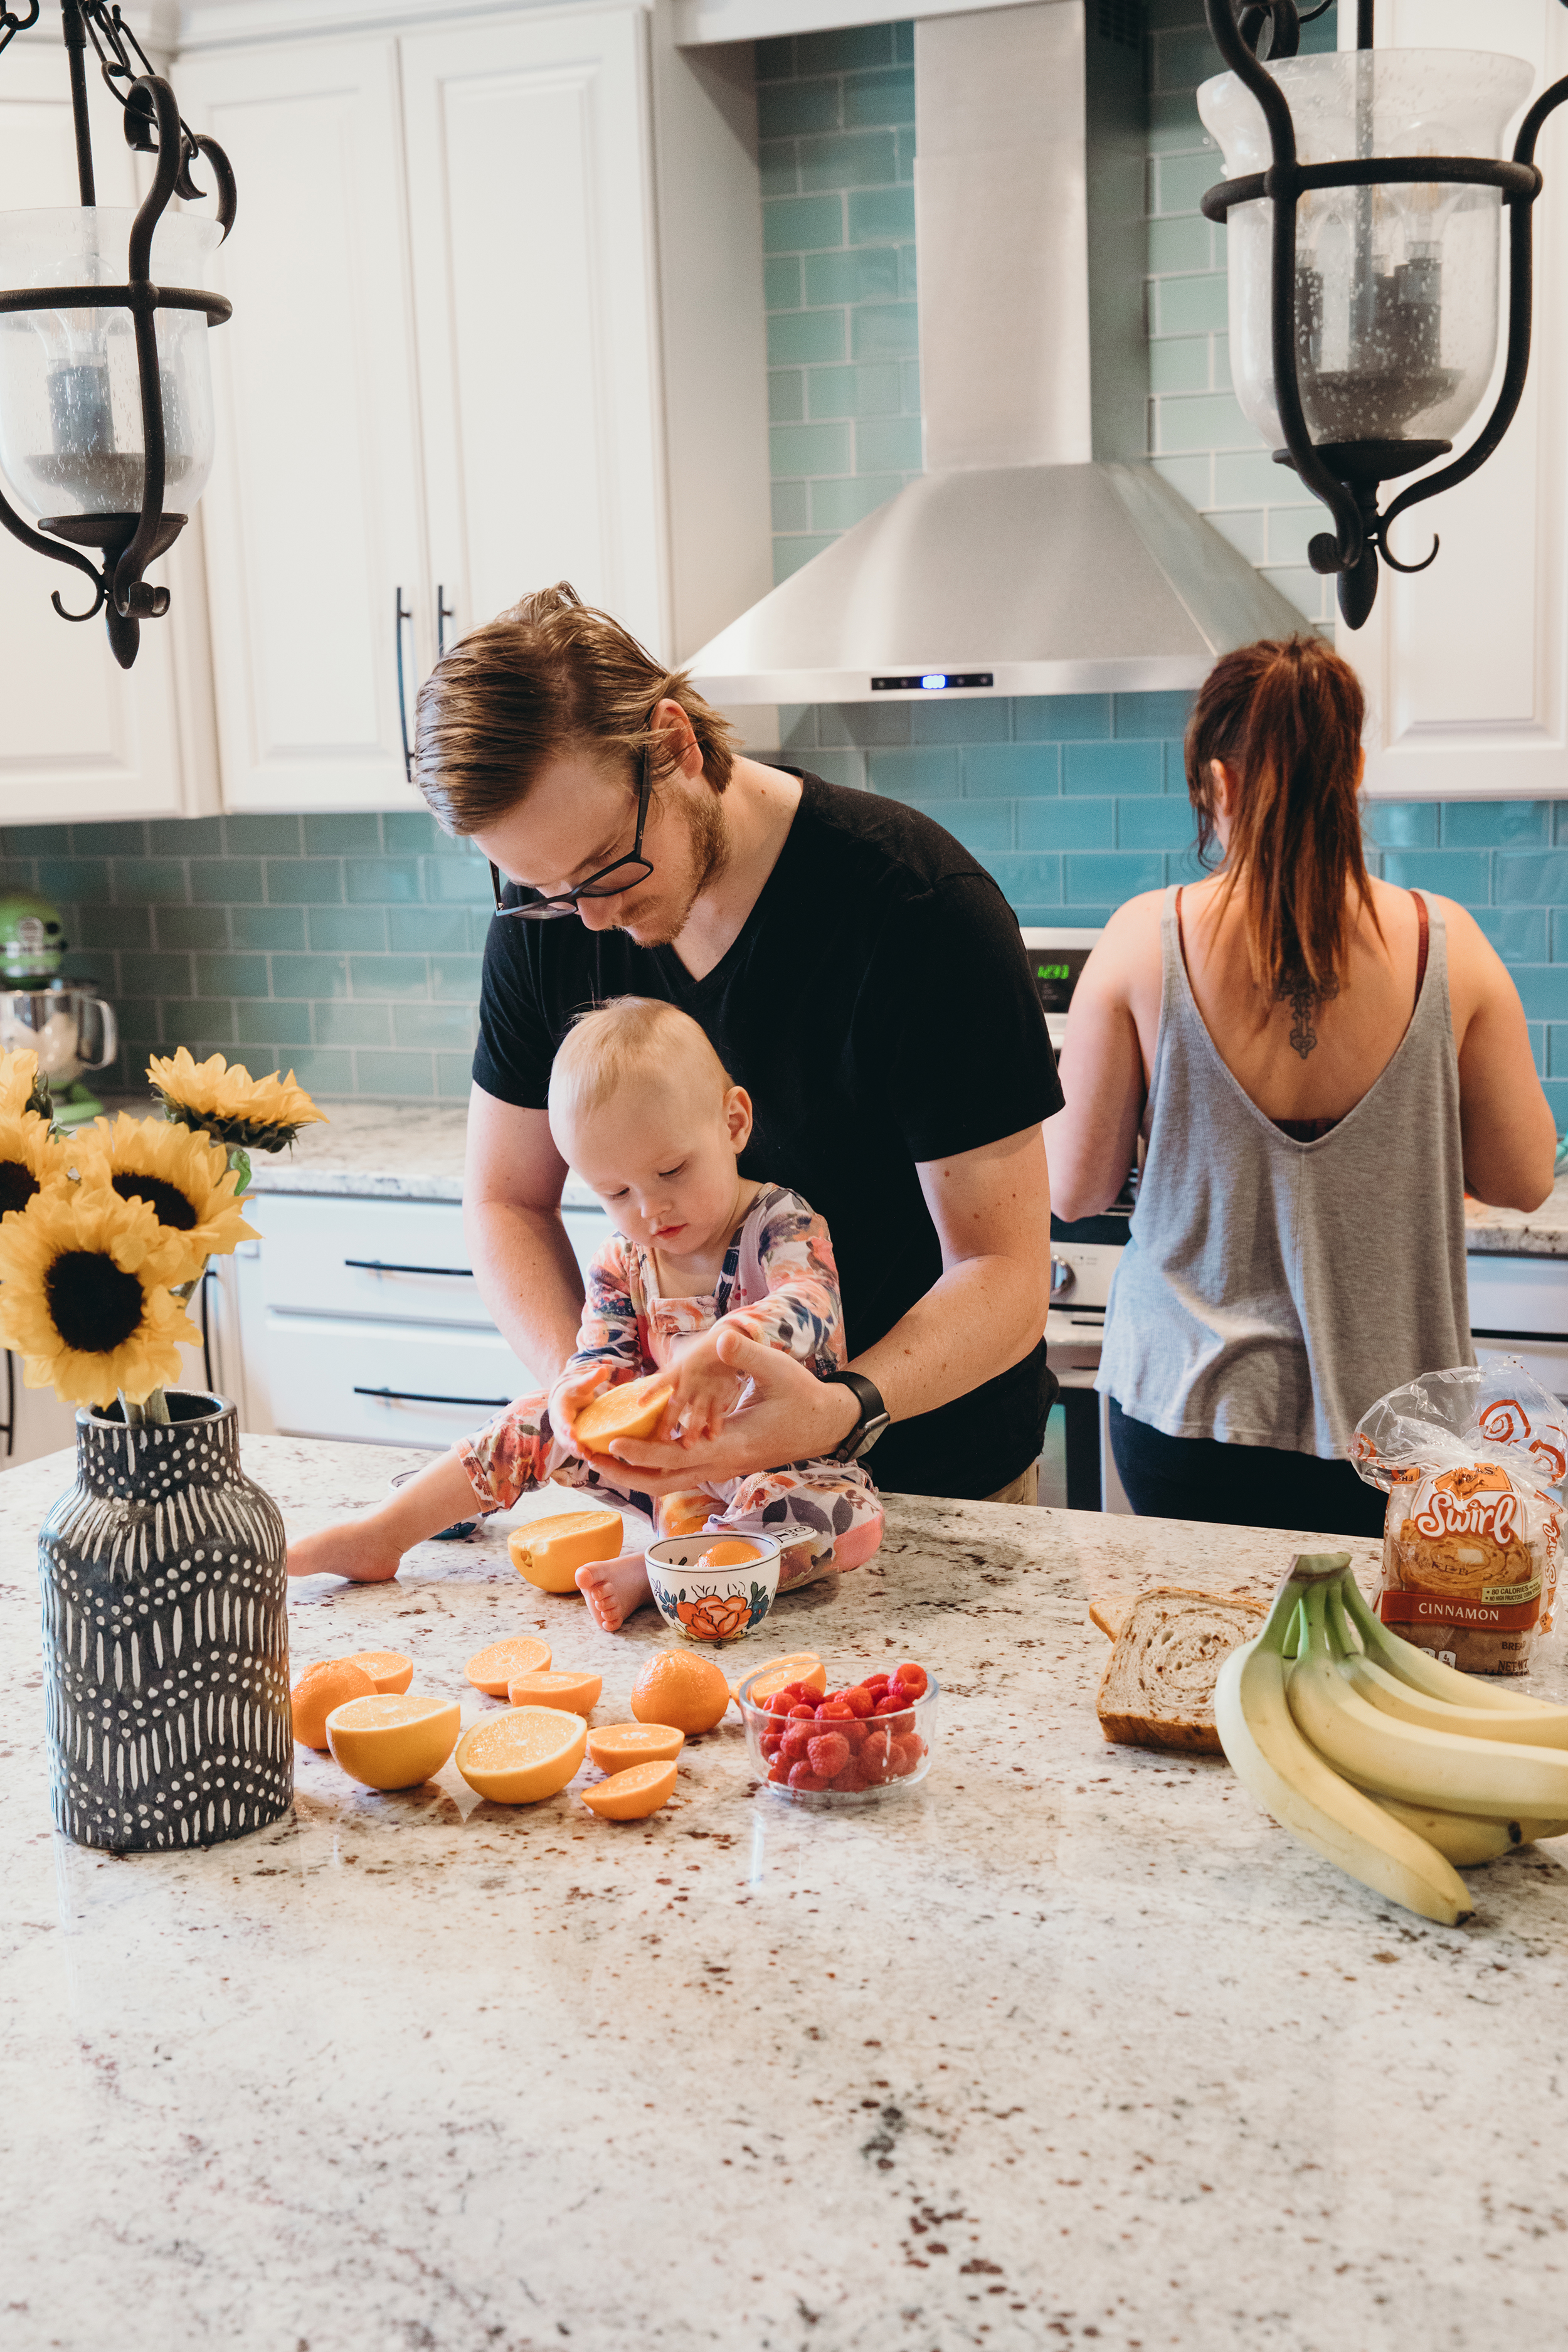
(1376, 1755)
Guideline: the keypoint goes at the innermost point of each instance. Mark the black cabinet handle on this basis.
(381, 1265)
(403, 614)
(412, 1396)
(444, 612)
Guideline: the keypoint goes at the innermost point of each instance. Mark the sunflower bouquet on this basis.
(103, 1237)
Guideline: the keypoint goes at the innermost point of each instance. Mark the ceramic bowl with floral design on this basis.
(710, 1601)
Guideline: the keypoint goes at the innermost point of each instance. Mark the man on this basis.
(858, 974)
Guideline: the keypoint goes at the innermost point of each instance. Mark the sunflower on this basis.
(184, 1179)
(84, 1294)
(228, 1103)
(30, 1156)
(21, 1088)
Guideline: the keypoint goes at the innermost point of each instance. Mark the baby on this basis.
(642, 1108)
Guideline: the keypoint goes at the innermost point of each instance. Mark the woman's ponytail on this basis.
(1285, 717)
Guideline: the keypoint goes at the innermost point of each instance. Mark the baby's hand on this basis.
(706, 1391)
(571, 1393)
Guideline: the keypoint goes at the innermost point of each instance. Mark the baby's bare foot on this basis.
(613, 1589)
(354, 1548)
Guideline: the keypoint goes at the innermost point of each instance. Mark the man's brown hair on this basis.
(550, 677)
(1285, 717)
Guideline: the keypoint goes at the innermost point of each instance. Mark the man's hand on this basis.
(790, 1416)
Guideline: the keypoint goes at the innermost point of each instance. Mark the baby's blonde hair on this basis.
(628, 1039)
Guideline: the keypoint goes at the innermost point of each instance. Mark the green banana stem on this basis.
(1360, 1613)
(1338, 1624)
(1297, 1634)
(1309, 1572)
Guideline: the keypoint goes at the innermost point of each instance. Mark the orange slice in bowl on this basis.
(392, 1740)
(631, 1796)
(521, 1757)
(729, 1551)
(490, 1670)
(800, 1666)
(575, 1693)
(389, 1670)
(620, 1745)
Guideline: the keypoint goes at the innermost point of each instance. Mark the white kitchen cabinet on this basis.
(1465, 665)
(361, 1319)
(457, 329)
(83, 738)
(314, 513)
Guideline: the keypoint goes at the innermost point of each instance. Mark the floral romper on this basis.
(780, 1285)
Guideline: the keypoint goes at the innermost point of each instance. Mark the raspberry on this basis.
(801, 1776)
(780, 1703)
(876, 1683)
(835, 1710)
(876, 1756)
(770, 1743)
(852, 1733)
(895, 1713)
(795, 1741)
(859, 1699)
(829, 1754)
(907, 1754)
(802, 1715)
(850, 1780)
(912, 1680)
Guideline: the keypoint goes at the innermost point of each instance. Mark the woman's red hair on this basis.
(1285, 717)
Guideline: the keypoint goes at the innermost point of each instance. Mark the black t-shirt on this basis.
(878, 1009)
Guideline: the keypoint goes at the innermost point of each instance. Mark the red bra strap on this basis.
(1423, 943)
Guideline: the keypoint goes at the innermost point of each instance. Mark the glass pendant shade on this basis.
(70, 404)
(1396, 285)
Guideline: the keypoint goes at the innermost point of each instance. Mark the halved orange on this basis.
(521, 1757)
(631, 1796)
(392, 1740)
(729, 1552)
(630, 1409)
(620, 1745)
(320, 1688)
(576, 1693)
(549, 1552)
(490, 1670)
(800, 1666)
(389, 1670)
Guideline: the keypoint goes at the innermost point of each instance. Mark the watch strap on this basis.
(873, 1418)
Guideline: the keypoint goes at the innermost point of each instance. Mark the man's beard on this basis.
(708, 844)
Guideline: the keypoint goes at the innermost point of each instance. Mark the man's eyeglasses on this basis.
(621, 874)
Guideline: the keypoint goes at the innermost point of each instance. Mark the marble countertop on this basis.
(1068, 2047)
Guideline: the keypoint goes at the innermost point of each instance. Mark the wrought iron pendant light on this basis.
(1364, 296)
(105, 396)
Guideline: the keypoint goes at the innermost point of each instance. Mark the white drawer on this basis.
(390, 1383)
(1519, 1294)
(402, 1260)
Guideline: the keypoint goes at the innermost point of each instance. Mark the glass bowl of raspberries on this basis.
(846, 1747)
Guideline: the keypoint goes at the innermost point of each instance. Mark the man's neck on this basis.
(759, 808)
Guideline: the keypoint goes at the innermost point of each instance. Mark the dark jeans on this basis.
(1240, 1485)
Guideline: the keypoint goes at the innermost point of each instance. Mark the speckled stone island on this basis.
(165, 1637)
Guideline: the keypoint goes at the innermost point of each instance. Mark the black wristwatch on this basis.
(874, 1417)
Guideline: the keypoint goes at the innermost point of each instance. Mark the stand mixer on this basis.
(69, 1028)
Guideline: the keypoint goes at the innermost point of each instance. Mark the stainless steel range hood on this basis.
(1039, 554)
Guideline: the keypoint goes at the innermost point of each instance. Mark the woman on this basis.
(1319, 1065)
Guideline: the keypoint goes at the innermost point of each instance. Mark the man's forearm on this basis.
(981, 1317)
(529, 1279)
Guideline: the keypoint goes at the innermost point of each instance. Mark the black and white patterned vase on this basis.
(165, 1636)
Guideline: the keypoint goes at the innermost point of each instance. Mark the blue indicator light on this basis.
(935, 680)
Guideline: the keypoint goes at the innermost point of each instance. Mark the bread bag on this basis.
(1467, 1459)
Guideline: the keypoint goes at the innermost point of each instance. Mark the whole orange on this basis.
(680, 1688)
(320, 1688)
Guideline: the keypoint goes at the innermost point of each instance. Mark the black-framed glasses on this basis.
(610, 880)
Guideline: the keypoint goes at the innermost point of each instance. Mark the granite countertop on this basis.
(413, 1151)
(1068, 2047)
(1520, 1233)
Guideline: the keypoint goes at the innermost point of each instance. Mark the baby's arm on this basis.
(801, 1315)
(609, 1344)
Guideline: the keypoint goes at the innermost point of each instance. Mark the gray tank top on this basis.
(1271, 1290)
